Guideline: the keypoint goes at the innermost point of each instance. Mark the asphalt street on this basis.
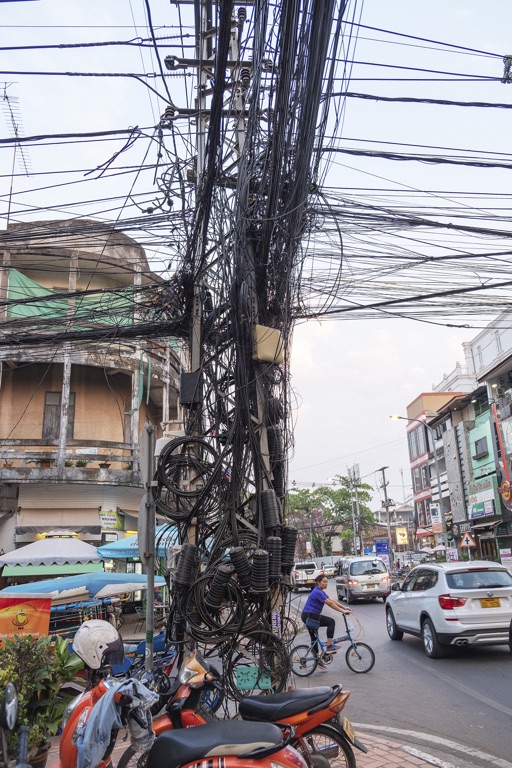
(458, 709)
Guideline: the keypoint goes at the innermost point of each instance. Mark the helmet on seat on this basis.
(98, 643)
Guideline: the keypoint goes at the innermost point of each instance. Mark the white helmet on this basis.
(98, 643)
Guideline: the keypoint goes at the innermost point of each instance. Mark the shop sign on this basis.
(111, 520)
(435, 515)
(506, 557)
(401, 536)
(482, 496)
(24, 615)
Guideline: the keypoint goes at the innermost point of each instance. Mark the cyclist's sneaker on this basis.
(332, 648)
(322, 667)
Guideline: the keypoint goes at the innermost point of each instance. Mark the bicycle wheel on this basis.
(303, 660)
(360, 657)
(132, 758)
(327, 743)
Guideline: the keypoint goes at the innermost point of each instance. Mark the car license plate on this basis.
(311, 581)
(371, 586)
(490, 602)
(348, 730)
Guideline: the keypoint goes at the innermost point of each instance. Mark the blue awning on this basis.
(166, 536)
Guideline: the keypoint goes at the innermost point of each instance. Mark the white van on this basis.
(363, 577)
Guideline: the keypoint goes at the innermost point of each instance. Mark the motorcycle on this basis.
(224, 744)
(228, 744)
(8, 717)
(188, 700)
(314, 714)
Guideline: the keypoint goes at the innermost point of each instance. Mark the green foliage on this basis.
(38, 670)
(320, 512)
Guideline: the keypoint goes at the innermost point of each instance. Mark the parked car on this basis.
(452, 604)
(325, 565)
(303, 575)
(363, 577)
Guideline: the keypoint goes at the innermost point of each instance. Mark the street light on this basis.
(438, 474)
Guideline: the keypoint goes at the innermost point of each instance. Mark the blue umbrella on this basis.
(90, 585)
(166, 536)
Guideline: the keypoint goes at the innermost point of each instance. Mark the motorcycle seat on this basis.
(278, 706)
(175, 748)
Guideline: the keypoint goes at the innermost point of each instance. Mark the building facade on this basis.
(70, 412)
(468, 431)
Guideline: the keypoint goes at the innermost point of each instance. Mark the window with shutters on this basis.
(51, 419)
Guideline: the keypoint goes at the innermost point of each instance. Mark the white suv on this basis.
(303, 575)
(452, 604)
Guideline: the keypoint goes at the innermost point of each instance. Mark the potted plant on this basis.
(69, 463)
(81, 462)
(39, 670)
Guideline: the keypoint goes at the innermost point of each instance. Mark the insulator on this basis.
(186, 565)
(259, 578)
(278, 480)
(275, 444)
(275, 411)
(274, 557)
(242, 565)
(245, 76)
(267, 65)
(242, 14)
(218, 587)
(289, 536)
(191, 174)
(270, 510)
(169, 113)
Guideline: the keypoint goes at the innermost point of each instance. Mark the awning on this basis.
(489, 524)
(51, 570)
(423, 532)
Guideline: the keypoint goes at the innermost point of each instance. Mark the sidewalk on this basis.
(382, 753)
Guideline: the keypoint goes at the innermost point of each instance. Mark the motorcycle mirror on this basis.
(9, 709)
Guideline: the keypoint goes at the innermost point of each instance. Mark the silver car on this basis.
(363, 577)
(457, 604)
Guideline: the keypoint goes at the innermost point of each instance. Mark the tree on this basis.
(320, 512)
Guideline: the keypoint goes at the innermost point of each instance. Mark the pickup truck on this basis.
(303, 575)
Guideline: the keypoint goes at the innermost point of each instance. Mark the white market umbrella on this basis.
(52, 551)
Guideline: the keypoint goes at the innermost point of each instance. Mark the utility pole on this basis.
(353, 476)
(388, 503)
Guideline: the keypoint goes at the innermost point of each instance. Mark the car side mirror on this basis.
(396, 587)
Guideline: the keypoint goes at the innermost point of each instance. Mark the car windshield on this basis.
(369, 567)
(479, 579)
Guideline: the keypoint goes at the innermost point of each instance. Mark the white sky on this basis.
(350, 375)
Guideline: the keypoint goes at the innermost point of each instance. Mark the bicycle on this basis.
(305, 658)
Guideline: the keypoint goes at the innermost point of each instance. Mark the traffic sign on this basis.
(467, 540)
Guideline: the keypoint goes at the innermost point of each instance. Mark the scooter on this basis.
(228, 744)
(223, 744)
(314, 714)
(189, 700)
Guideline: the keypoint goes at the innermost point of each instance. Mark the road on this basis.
(465, 697)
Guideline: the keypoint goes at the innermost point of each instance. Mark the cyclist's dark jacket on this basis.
(315, 602)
